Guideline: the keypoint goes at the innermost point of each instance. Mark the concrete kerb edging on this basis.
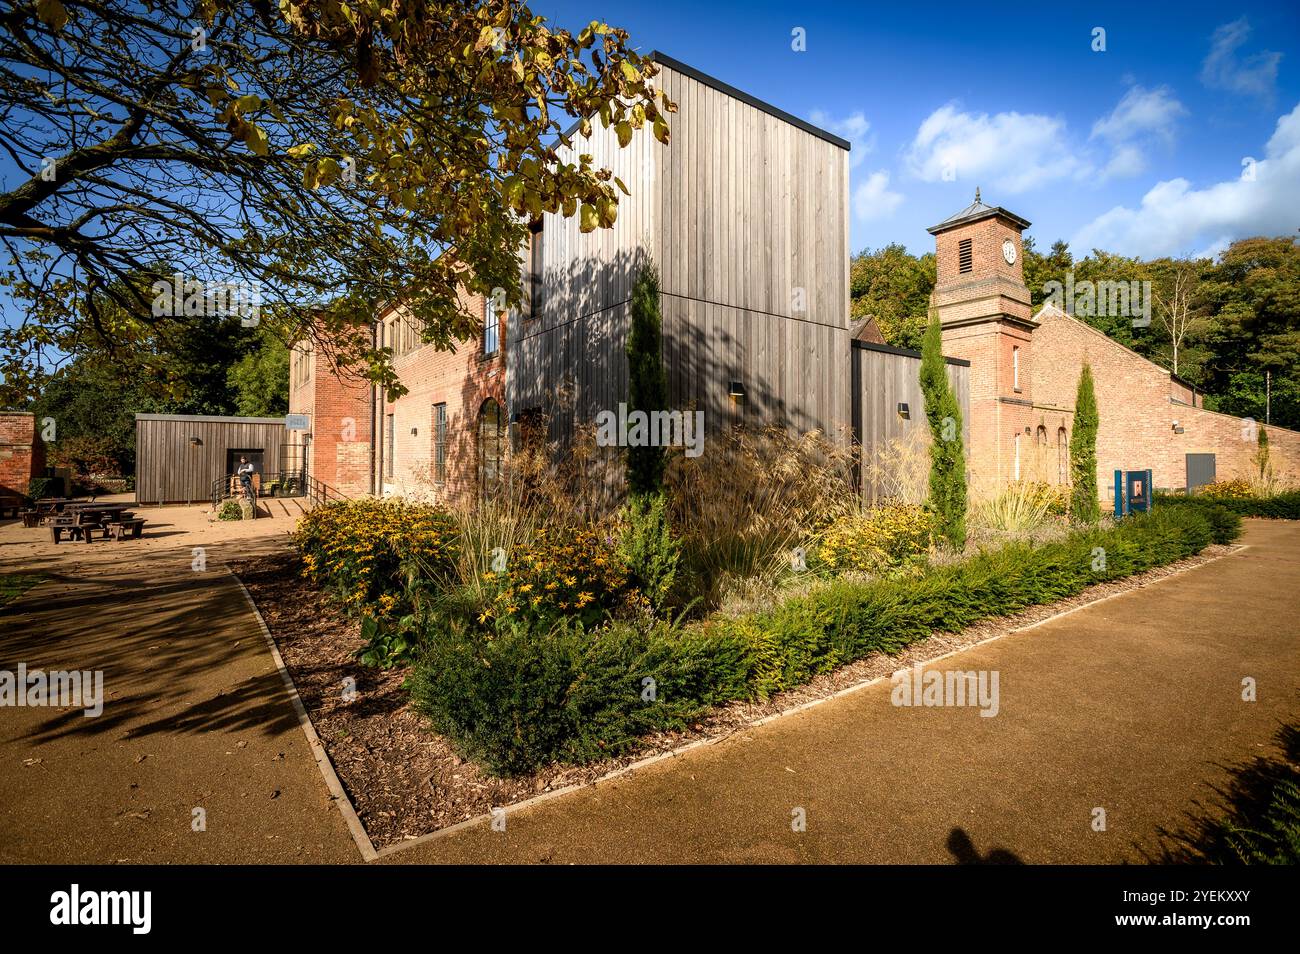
(367, 849)
(337, 793)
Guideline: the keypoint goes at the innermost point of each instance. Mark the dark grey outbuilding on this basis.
(179, 456)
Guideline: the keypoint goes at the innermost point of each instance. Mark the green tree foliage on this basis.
(947, 456)
(327, 154)
(259, 381)
(647, 379)
(1084, 505)
(893, 287)
(1251, 299)
(183, 367)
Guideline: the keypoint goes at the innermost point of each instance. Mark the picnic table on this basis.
(41, 509)
(83, 519)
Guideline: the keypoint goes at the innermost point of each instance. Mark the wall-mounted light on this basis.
(1027, 431)
(736, 390)
(904, 411)
(1177, 429)
(414, 431)
(195, 442)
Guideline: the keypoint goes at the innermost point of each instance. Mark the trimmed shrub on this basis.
(231, 510)
(947, 498)
(877, 539)
(647, 381)
(516, 700)
(39, 487)
(1084, 505)
(1285, 506)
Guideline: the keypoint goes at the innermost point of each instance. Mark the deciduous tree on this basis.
(332, 155)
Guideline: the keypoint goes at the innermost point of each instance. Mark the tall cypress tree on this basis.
(1084, 506)
(647, 379)
(947, 455)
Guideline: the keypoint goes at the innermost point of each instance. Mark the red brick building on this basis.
(442, 440)
(336, 449)
(22, 455)
(1025, 371)
(445, 438)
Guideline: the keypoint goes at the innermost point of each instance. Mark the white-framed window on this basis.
(1015, 465)
(1015, 368)
(491, 328)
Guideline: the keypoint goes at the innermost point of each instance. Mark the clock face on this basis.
(1009, 251)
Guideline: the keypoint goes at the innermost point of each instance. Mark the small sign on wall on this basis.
(297, 422)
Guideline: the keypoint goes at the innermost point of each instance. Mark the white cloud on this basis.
(1141, 117)
(854, 127)
(1141, 113)
(1174, 218)
(873, 199)
(1012, 152)
(1255, 75)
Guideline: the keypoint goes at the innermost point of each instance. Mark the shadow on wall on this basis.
(571, 363)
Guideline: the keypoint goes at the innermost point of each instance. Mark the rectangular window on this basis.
(1016, 464)
(440, 443)
(965, 256)
(535, 271)
(392, 440)
(491, 328)
(1015, 368)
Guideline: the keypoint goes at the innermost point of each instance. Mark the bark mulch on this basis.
(405, 781)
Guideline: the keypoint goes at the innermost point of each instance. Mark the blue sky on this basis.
(1138, 149)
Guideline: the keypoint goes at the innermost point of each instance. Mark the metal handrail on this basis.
(299, 484)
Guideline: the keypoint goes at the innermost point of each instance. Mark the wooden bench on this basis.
(121, 529)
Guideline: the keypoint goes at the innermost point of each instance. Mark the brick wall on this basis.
(22, 455)
(1137, 406)
(339, 407)
(463, 380)
(1024, 430)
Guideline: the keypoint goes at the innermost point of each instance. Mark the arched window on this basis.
(491, 445)
(1041, 436)
(1062, 457)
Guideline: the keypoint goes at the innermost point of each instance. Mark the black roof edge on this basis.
(994, 211)
(905, 352)
(679, 67)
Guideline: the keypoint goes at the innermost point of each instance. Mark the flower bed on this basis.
(522, 698)
(366, 551)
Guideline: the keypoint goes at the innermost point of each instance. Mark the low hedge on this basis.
(515, 701)
(1284, 506)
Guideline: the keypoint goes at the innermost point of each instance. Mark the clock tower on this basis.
(987, 318)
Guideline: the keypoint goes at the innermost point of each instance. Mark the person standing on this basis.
(245, 474)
